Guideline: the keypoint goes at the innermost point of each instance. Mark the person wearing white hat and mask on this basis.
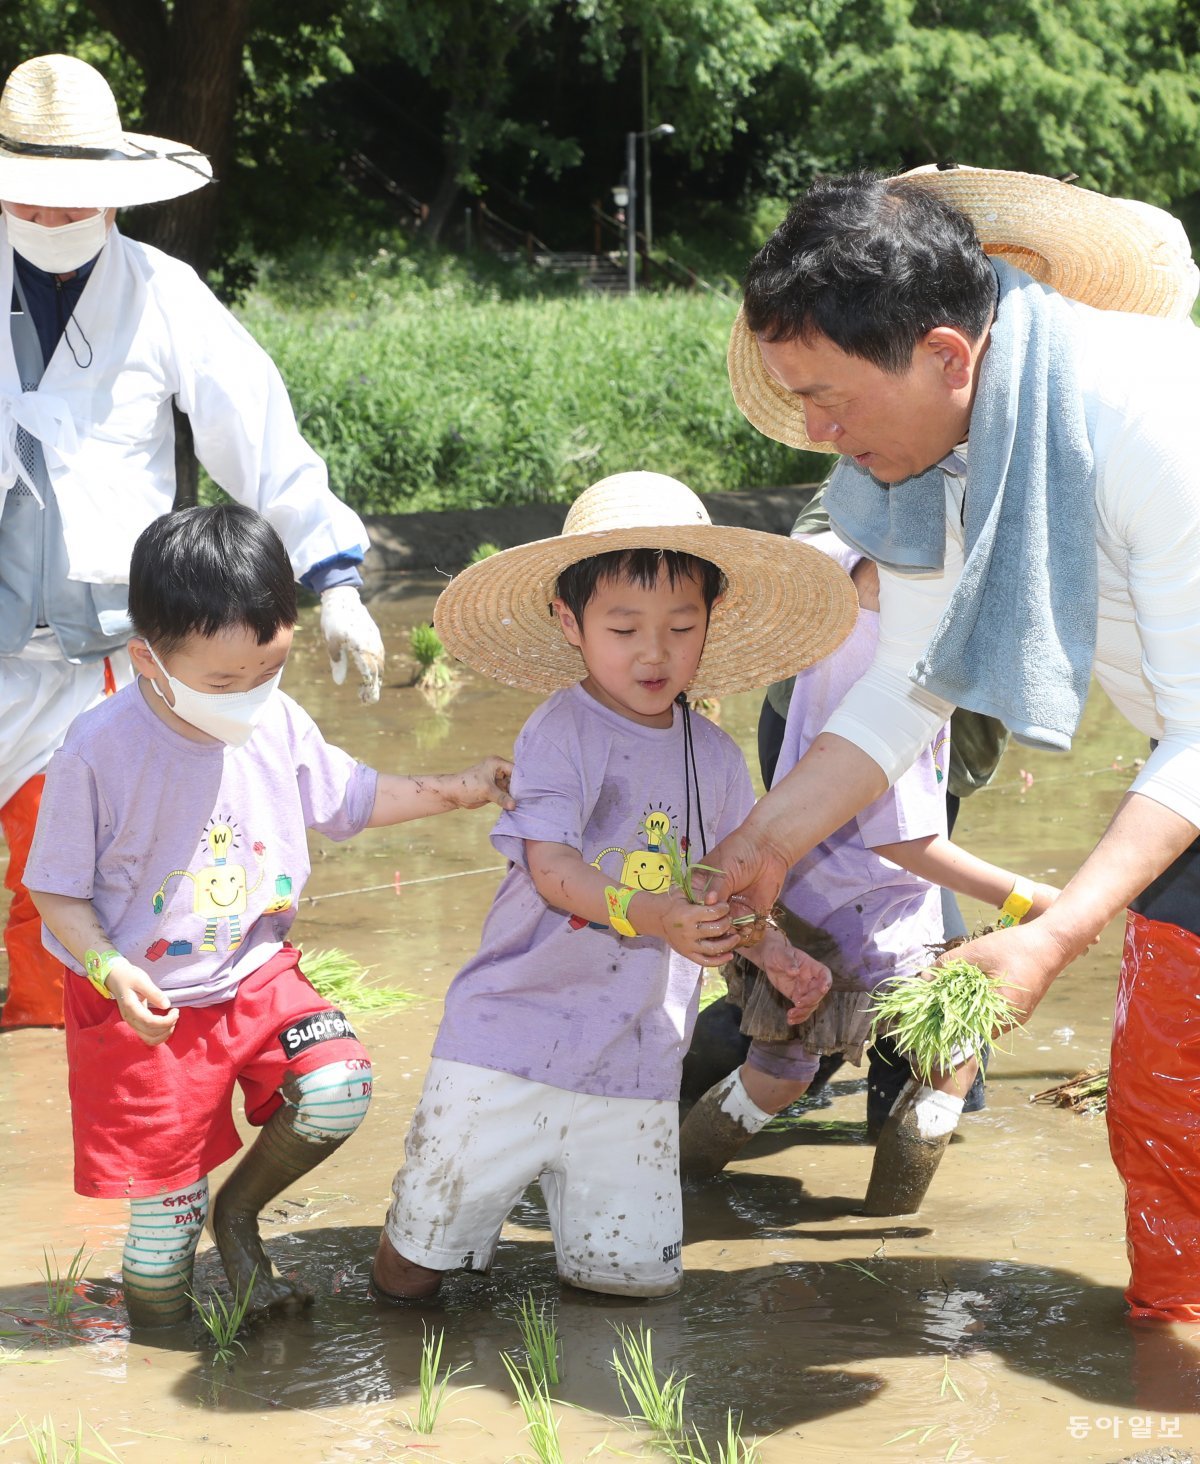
(1006, 367)
(106, 334)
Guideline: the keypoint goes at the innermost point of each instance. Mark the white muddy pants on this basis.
(608, 1168)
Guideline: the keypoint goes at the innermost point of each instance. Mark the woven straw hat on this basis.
(62, 144)
(786, 605)
(1111, 253)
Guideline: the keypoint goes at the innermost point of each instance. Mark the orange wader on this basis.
(35, 978)
(1154, 1117)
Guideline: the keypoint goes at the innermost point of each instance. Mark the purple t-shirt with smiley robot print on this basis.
(553, 999)
(192, 854)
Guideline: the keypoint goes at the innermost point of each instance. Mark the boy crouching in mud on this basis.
(172, 838)
(558, 1057)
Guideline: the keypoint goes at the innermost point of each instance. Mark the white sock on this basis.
(936, 1113)
(739, 1105)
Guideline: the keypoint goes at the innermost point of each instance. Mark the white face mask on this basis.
(61, 250)
(229, 716)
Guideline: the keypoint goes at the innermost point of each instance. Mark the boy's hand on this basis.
(486, 782)
(136, 994)
(1044, 895)
(700, 933)
(793, 973)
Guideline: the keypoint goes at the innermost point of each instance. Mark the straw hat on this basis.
(785, 607)
(1111, 253)
(62, 144)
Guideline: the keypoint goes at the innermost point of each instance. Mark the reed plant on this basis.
(62, 1287)
(535, 1403)
(344, 981)
(953, 1009)
(655, 1402)
(223, 1320)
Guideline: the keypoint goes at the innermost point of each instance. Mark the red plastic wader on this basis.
(1154, 1117)
(35, 978)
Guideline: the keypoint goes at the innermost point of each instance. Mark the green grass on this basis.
(223, 1320)
(62, 1287)
(425, 388)
(342, 980)
(958, 1008)
(539, 1333)
(648, 1399)
(535, 1403)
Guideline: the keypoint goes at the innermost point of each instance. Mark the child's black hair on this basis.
(203, 570)
(578, 583)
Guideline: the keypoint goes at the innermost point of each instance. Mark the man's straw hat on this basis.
(1111, 253)
(62, 144)
(786, 605)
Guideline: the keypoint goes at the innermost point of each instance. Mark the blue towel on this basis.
(1018, 636)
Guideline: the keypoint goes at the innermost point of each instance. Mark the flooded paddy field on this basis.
(987, 1328)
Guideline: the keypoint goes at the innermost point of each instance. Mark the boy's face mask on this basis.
(229, 716)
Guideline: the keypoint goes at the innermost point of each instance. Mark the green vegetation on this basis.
(647, 1399)
(424, 388)
(539, 1332)
(343, 981)
(62, 1287)
(534, 1401)
(434, 671)
(953, 1007)
(223, 1320)
(46, 1447)
(732, 1449)
(433, 1384)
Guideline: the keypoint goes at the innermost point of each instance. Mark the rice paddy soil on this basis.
(989, 1327)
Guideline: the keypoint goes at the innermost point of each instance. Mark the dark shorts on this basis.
(148, 1119)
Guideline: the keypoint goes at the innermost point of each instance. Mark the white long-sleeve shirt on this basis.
(1140, 380)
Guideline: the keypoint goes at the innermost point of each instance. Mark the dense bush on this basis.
(425, 385)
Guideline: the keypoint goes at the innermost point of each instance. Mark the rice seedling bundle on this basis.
(935, 1019)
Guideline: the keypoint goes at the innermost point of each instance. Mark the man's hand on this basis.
(350, 633)
(793, 973)
(700, 933)
(136, 994)
(1023, 960)
(487, 782)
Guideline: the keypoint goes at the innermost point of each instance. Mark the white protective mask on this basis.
(58, 251)
(229, 716)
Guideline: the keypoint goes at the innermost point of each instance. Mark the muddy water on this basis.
(988, 1328)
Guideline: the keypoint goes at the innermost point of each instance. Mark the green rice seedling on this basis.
(434, 1390)
(659, 1405)
(732, 1449)
(539, 1332)
(343, 981)
(62, 1287)
(533, 1399)
(47, 1448)
(957, 1007)
(435, 673)
(223, 1321)
(484, 551)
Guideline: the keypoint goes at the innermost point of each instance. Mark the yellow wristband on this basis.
(1018, 904)
(618, 909)
(96, 966)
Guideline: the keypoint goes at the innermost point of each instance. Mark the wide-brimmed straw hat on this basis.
(62, 144)
(785, 606)
(1111, 253)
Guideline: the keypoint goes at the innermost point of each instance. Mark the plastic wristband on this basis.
(618, 909)
(1018, 904)
(96, 966)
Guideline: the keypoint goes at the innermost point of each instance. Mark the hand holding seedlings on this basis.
(700, 933)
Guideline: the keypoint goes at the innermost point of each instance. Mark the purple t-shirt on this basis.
(883, 918)
(193, 854)
(558, 1001)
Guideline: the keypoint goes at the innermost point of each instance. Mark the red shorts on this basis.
(148, 1119)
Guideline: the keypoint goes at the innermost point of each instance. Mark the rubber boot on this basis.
(905, 1158)
(717, 1128)
(717, 1047)
(277, 1158)
(35, 977)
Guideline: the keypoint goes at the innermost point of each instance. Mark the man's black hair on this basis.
(873, 264)
(578, 583)
(204, 570)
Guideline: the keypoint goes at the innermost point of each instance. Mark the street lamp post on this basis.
(664, 129)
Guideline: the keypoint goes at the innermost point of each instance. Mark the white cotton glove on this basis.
(350, 632)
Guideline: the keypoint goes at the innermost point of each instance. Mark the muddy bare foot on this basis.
(247, 1264)
(395, 1279)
